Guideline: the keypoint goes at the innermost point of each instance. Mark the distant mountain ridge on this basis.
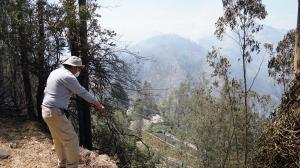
(174, 58)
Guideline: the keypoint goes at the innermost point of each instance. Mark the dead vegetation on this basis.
(279, 144)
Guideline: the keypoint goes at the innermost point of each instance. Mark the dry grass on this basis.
(34, 147)
(279, 144)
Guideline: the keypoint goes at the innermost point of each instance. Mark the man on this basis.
(61, 84)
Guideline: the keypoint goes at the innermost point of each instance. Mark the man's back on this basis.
(61, 83)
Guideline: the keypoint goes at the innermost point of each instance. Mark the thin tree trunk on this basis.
(85, 134)
(40, 58)
(1, 68)
(3, 31)
(84, 117)
(245, 91)
(24, 65)
(246, 105)
(85, 137)
(237, 150)
(297, 45)
(231, 103)
(69, 6)
(13, 73)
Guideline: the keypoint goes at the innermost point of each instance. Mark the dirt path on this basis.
(30, 147)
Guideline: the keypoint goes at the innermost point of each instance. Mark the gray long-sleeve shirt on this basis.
(61, 84)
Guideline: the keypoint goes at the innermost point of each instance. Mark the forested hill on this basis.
(172, 59)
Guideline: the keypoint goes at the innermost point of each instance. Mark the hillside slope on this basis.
(279, 143)
(29, 146)
(172, 59)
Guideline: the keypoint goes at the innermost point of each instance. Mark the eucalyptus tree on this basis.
(240, 18)
(281, 63)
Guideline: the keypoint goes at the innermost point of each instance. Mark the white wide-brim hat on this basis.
(74, 61)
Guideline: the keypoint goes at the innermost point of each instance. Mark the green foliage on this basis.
(213, 124)
(111, 136)
(174, 108)
(119, 94)
(121, 119)
(219, 63)
(281, 63)
(144, 107)
(159, 128)
(240, 18)
(216, 129)
(147, 100)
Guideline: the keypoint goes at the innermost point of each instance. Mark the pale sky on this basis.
(136, 20)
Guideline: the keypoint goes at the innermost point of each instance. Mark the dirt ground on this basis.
(31, 147)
